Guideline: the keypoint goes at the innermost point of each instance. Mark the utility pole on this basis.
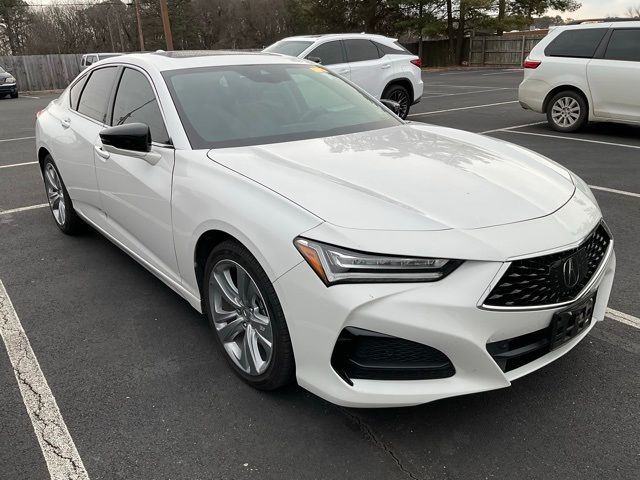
(139, 20)
(164, 13)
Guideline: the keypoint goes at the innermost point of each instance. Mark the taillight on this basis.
(531, 63)
(417, 62)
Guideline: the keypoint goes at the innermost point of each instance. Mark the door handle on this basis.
(386, 65)
(101, 153)
(343, 71)
(66, 122)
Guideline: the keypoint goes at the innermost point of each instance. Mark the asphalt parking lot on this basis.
(145, 393)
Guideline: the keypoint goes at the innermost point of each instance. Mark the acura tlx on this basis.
(376, 262)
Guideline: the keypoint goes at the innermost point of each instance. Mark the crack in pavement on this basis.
(60, 453)
(371, 436)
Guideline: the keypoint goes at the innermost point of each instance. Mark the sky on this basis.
(600, 8)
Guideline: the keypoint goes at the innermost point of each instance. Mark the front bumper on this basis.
(7, 88)
(444, 315)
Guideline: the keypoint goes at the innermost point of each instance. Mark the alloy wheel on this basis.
(565, 112)
(240, 317)
(402, 98)
(55, 194)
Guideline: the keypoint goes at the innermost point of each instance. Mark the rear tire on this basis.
(399, 94)
(60, 203)
(567, 111)
(245, 314)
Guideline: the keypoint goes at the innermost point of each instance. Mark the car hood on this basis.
(4, 75)
(409, 177)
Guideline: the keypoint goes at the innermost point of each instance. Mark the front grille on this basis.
(551, 279)
(370, 355)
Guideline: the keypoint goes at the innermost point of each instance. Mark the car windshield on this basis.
(288, 47)
(244, 105)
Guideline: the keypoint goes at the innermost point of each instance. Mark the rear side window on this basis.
(578, 43)
(624, 44)
(136, 102)
(329, 53)
(75, 91)
(361, 50)
(95, 95)
(387, 50)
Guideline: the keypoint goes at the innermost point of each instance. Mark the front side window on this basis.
(95, 95)
(577, 43)
(329, 53)
(289, 47)
(624, 45)
(361, 50)
(136, 102)
(234, 106)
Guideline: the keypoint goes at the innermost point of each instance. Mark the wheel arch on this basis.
(562, 88)
(403, 82)
(42, 153)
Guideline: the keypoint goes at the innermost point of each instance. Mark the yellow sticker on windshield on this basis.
(318, 69)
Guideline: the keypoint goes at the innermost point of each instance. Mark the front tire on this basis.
(14, 95)
(246, 317)
(60, 203)
(568, 111)
(399, 94)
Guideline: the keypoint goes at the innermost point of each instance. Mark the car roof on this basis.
(314, 38)
(181, 59)
(600, 24)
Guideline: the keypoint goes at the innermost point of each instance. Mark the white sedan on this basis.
(375, 261)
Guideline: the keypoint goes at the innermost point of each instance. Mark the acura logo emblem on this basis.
(571, 272)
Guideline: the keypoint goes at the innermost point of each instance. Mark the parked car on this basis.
(379, 65)
(585, 72)
(89, 59)
(8, 84)
(378, 262)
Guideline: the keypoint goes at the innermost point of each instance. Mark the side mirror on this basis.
(391, 105)
(315, 59)
(135, 137)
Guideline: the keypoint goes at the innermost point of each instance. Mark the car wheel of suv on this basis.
(14, 95)
(245, 313)
(60, 204)
(399, 94)
(567, 111)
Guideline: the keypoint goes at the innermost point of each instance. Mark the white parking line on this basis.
(442, 94)
(28, 96)
(623, 317)
(515, 70)
(461, 108)
(17, 164)
(16, 139)
(60, 453)
(613, 190)
(600, 142)
(23, 209)
(465, 86)
(506, 129)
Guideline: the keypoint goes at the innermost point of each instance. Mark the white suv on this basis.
(585, 72)
(379, 65)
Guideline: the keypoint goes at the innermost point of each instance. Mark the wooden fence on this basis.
(507, 51)
(42, 72)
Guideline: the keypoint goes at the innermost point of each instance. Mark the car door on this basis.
(80, 123)
(614, 78)
(135, 189)
(368, 70)
(332, 56)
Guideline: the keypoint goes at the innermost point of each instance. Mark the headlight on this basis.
(584, 188)
(338, 265)
(10, 80)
